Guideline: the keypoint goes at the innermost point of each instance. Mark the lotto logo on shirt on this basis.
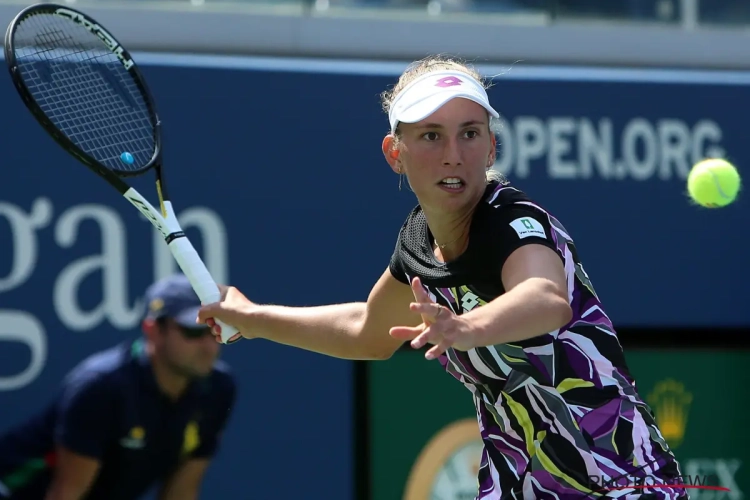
(526, 227)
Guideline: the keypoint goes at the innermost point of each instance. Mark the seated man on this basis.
(143, 412)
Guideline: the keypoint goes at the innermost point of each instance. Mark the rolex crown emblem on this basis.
(671, 403)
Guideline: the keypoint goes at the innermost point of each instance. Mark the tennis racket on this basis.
(84, 88)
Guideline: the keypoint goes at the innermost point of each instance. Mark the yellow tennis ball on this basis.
(713, 183)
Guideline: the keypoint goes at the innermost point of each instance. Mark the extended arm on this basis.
(349, 331)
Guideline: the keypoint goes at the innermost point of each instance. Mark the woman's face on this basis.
(445, 156)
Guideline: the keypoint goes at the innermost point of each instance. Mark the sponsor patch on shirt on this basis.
(526, 227)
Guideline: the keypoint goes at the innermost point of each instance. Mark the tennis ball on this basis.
(713, 183)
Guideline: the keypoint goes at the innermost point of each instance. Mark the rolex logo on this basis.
(671, 403)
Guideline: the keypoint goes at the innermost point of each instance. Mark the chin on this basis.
(195, 371)
(203, 371)
(455, 201)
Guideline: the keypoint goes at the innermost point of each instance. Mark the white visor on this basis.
(430, 92)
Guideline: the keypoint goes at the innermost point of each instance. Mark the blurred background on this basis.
(273, 127)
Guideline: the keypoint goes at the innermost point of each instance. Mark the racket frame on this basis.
(163, 219)
(36, 110)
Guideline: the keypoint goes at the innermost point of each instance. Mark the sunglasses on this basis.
(194, 333)
(186, 332)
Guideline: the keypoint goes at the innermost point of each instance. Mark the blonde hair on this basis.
(424, 67)
(439, 63)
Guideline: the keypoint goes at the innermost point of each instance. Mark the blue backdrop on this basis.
(280, 181)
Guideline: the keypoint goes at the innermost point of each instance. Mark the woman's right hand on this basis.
(233, 309)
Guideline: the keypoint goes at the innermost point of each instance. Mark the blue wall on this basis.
(287, 167)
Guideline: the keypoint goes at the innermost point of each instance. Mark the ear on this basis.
(390, 151)
(150, 329)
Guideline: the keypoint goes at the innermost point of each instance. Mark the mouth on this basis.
(452, 183)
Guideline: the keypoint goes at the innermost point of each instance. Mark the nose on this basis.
(452, 153)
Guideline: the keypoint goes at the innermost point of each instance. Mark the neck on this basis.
(451, 234)
(172, 384)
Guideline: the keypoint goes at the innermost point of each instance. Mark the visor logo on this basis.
(448, 81)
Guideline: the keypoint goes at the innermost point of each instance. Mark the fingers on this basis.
(425, 333)
(436, 332)
(424, 338)
(420, 336)
(228, 309)
(215, 328)
(430, 311)
(437, 350)
(419, 292)
(216, 332)
(406, 332)
(207, 312)
(422, 298)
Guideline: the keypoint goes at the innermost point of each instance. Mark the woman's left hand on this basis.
(440, 326)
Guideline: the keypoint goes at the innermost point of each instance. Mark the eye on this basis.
(431, 136)
(471, 134)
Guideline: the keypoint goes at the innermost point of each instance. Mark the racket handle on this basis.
(203, 283)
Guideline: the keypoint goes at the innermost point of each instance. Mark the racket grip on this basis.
(203, 283)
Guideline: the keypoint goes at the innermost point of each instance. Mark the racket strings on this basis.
(85, 91)
(97, 103)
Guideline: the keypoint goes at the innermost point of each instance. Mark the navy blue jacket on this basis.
(110, 408)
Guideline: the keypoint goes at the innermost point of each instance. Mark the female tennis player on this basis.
(492, 282)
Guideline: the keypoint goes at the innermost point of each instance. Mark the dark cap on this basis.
(173, 297)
